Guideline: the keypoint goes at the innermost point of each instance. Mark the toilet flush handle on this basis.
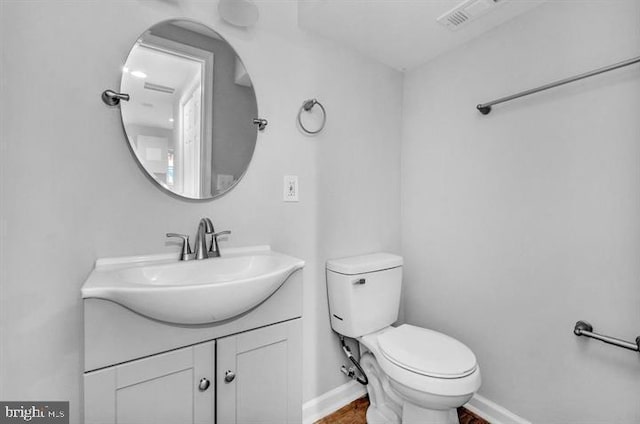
(360, 281)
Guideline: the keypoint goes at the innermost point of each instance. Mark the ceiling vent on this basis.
(466, 12)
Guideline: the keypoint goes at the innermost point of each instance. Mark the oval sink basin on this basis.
(191, 292)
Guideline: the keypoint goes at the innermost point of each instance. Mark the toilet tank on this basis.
(364, 293)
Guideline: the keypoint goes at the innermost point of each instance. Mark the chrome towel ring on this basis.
(307, 105)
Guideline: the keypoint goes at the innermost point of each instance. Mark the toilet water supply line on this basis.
(362, 378)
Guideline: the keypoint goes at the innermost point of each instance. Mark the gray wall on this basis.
(71, 191)
(519, 223)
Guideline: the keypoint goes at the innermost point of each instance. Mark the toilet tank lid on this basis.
(365, 263)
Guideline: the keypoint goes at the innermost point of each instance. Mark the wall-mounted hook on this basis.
(261, 123)
(111, 98)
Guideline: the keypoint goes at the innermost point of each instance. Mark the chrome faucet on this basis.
(204, 227)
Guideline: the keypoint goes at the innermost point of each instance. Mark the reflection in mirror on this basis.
(190, 117)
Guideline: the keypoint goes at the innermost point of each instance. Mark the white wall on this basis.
(71, 191)
(517, 224)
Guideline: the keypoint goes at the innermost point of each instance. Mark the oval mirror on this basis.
(189, 120)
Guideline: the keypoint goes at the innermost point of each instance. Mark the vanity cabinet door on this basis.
(259, 376)
(161, 389)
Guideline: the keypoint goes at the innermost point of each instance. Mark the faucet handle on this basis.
(186, 247)
(214, 250)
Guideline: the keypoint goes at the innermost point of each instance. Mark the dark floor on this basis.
(355, 412)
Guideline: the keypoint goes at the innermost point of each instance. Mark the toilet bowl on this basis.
(430, 374)
(416, 375)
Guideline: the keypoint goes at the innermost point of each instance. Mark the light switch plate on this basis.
(291, 188)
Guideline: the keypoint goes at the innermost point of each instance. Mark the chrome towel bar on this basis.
(485, 108)
(583, 328)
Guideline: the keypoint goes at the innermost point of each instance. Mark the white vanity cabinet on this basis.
(139, 370)
(259, 376)
(257, 380)
(170, 388)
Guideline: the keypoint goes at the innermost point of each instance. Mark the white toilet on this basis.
(416, 376)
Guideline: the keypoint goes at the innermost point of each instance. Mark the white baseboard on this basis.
(493, 412)
(331, 401)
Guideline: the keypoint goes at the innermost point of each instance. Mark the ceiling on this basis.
(400, 33)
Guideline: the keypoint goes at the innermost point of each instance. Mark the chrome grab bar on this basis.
(583, 328)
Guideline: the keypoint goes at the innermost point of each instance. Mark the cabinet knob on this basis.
(229, 376)
(204, 384)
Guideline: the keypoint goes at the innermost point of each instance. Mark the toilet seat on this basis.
(427, 352)
(419, 381)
